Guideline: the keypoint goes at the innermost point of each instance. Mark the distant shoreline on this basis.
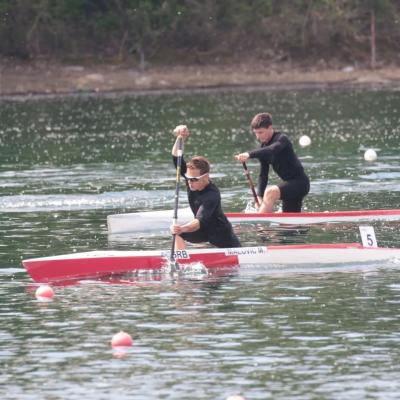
(54, 80)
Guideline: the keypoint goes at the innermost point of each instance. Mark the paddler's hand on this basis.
(175, 229)
(181, 131)
(242, 157)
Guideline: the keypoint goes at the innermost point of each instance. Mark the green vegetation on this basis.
(202, 31)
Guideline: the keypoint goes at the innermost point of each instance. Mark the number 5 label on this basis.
(368, 236)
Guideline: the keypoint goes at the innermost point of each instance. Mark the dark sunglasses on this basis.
(195, 178)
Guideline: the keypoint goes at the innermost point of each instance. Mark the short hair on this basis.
(262, 120)
(199, 162)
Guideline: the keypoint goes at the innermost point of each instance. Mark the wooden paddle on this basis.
(251, 184)
(177, 184)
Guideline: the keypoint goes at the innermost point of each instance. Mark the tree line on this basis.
(202, 31)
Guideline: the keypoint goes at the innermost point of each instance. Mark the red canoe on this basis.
(101, 263)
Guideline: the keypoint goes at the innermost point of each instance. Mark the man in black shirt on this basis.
(277, 150)
(209, 223)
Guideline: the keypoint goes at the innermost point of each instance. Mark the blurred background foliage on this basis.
(166, 32)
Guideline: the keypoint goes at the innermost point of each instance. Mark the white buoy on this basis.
(370, 155)
(304, 141)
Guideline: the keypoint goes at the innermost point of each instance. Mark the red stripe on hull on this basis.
(56, 269)
(212, 260)
(355, 213)
(48, 270)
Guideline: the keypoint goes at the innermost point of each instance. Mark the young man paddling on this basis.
(277, 150)
(209, 223)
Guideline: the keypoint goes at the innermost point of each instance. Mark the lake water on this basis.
(290, 333)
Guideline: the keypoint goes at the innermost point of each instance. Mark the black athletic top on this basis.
(279, 153)
(206, 207)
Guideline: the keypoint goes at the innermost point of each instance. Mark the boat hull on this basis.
(100, 263)
(161, 220)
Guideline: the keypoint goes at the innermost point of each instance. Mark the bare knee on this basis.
(273, 193)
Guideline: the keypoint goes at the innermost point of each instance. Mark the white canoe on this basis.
(105, 263)
(161, 220)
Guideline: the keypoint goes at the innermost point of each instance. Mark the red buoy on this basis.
(121, 339)
(44, 292)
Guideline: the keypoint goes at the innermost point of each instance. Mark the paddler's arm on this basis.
(191, 226)
(181, 131)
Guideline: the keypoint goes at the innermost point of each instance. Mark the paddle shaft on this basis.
(251, 184)
(177, 184)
